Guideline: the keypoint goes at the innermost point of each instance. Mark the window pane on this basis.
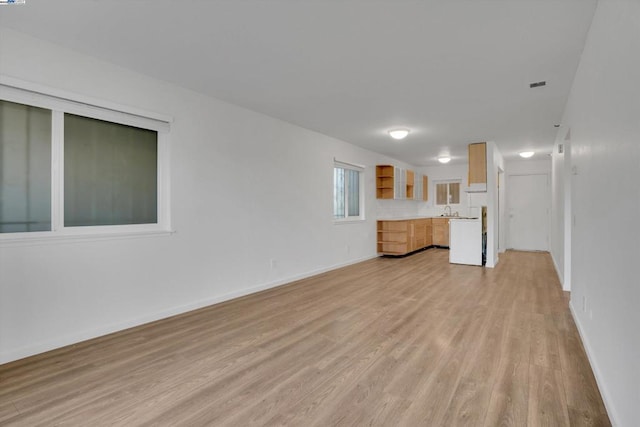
(441, 194)
(25, 172)
(354, 192)
(338, 193)
(454, 193)
(110, 173)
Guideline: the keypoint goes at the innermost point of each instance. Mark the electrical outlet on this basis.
(347, 248)
(272, 263)
(584, 304)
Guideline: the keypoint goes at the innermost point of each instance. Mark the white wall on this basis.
(446, 173)
(603, 114)
(538, 166)
(246, 189)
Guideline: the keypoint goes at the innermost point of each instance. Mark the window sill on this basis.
(54, 238)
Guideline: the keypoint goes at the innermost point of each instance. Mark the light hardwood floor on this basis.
(389, 342)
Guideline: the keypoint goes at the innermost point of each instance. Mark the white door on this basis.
(528, 203)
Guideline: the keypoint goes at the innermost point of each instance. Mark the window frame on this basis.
(59, 102)
(360, 170)
(448, 182)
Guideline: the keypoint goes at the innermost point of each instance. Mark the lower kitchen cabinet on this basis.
(440, 231)
(400, 237)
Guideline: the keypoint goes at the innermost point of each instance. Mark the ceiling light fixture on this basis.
(399, 133)
(444, 159)
(526, 154)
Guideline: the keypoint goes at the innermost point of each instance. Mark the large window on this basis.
(25, 172)
(347, 192)
(447, 192)
(73, 168)
(110, 173)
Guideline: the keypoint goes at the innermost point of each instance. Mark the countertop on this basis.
(407, 218)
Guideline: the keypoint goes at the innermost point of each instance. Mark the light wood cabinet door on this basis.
(425, 188)
(419, 231)
(478, 163)
(440, 231)
(409, 184)
(428, 233)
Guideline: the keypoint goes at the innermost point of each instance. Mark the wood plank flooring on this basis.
(414, 341)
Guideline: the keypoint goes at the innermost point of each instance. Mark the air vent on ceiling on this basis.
(537, 84)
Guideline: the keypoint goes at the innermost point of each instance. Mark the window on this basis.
(448, 193)
(110, 173)
(69, 168)
(347, 192)
(25, 175)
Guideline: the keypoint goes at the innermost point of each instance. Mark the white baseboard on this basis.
(604, 392)
(65, 340)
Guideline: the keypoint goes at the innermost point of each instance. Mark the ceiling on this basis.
(451, 71)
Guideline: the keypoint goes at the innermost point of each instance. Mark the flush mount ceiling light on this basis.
(444, 159)
(526, 154)
(398, 133)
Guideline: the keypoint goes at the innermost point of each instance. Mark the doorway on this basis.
(528, 203)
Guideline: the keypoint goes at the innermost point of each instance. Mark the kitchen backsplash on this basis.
(469, 206)
(397, 208)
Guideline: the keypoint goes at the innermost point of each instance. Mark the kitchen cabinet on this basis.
(477, 164)
(400, 184)
(410, 185)
(385, 181)
(440, 231)
(422, 233)
(400, 237)
(393, 237)
(425, 188)
(393, 182)
(421, 188)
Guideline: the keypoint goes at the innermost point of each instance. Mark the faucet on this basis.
(445, 210)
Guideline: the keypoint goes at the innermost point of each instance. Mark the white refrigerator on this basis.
(465, 241)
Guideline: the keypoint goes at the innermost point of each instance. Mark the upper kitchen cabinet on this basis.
(393, 182)
(385, 182)
(400, 187)
(409, 184)
(425, 188)
(421, 188)
(478, 166)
